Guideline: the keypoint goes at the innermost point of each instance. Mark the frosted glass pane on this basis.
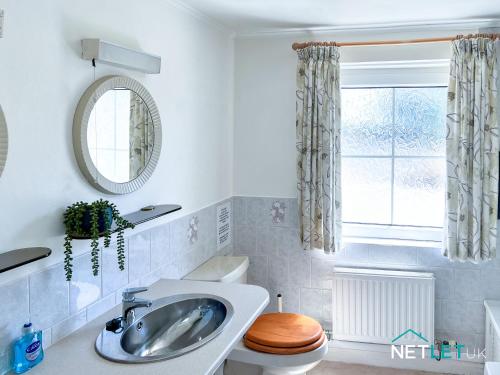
(420, 115)
(122, 169)
(101, 130)
(122, 119)
(419, 192)
(367, 121)
(366, 190)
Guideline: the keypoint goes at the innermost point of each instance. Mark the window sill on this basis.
(392, 235)
(392, 242)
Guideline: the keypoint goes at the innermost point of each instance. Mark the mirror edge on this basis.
(4, 135)
(80, 127)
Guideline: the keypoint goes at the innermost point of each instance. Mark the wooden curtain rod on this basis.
(297, 46)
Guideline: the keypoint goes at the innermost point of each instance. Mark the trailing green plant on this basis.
(100, 215)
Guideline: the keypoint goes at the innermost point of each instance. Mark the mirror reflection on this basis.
(120, 135)
(3, 141)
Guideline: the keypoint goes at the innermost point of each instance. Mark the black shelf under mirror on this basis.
(17, 258)
(143, 215)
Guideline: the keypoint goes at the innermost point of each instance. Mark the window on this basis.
(393, 146)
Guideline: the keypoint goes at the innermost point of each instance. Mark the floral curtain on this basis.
(318, 148)
(141, 135)
(472, 151)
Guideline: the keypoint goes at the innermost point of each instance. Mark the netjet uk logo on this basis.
(428, 350)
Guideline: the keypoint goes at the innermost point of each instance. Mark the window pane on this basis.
(419, 192)
(366, 190)
(420, 114)
(367, 121)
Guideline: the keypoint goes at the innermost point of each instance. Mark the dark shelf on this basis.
(141, 216)
(20, 257)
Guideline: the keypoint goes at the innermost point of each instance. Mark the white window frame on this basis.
(411, 73)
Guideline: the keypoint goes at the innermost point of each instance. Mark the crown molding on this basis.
(199, 15)
(471, 25)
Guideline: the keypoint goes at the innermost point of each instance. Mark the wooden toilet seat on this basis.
(284, 333)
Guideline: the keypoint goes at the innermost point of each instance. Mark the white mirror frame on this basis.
(4, 141)
(80, 127)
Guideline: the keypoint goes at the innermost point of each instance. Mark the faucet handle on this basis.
(128, 294)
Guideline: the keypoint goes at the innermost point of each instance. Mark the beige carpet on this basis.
(338, 368)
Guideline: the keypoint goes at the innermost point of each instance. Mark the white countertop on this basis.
(492, 368)
(76, 355)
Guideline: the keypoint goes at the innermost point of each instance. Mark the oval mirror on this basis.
(4, 141)
(117, 134)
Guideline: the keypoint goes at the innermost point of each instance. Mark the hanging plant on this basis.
(93, 220)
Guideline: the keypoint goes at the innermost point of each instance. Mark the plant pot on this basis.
(105, 218)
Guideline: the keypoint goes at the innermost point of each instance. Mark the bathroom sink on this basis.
(171, 327)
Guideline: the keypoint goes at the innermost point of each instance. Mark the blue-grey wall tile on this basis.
(266, 240)
(179, 242)
(321, 273)
(246, 240)
(171, 271)
(327, 307)
(292, 213)
(312, 303)
(300, 269)
(100, 307)
(84, 288)
(440, 317)
(465, 316)
(207, 225)
(287, 242)
(112, 277)
(467, 285)
(432, 257)
(258, 270)
(160, 246)
(68, 326)
(464, 338)
(239, 206)
(14, 311)
(257, 212)
(49, 297)
(278, 271)
(490, 277)
(46, 338)
(280, 212)
(151, 278)
(444, 283)
(139, 255)
(290, 298)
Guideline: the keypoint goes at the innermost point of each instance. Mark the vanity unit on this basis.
(492, 336)
(76, 353)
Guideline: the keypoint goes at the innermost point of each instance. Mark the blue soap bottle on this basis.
(28, 350)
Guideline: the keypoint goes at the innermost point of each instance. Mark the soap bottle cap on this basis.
(28, 328)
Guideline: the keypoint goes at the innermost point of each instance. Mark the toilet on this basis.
(246, 361)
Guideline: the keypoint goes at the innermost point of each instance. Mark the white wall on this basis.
(42, 78)
(265, 98)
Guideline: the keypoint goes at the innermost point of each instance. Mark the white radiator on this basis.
(376, 306)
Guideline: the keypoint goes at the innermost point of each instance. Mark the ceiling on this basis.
(259, 15)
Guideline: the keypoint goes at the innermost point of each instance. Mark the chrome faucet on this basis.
(130, 303)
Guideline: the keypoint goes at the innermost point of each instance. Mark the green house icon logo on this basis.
(419, 335)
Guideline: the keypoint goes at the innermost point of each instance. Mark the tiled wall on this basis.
(265, 229)
(60, 308)
(304, 278)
